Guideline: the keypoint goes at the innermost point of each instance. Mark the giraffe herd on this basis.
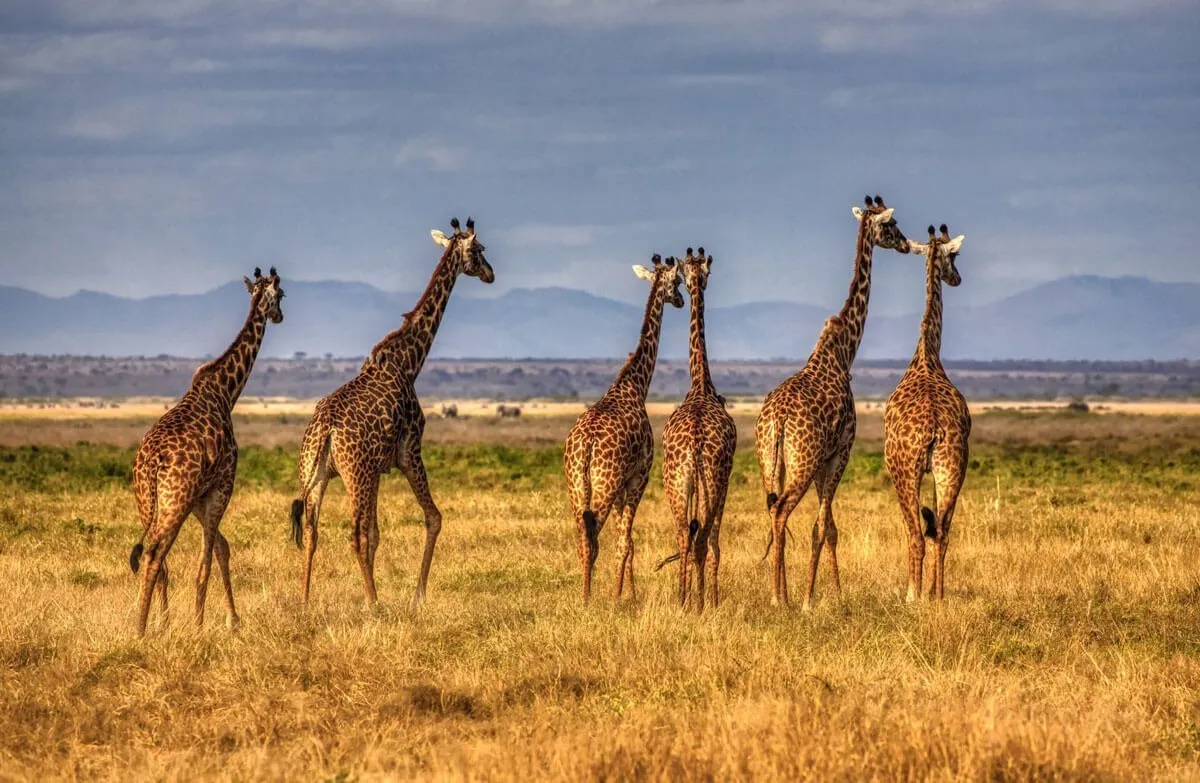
(187, 461)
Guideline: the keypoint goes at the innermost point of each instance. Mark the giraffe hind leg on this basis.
(949, 469)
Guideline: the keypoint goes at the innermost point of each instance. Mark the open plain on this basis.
(1068, 646)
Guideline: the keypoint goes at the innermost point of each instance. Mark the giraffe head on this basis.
(696, 269)
(267, 293)
(465, 250)
(941, 252)
(880, 226)
(664, 278)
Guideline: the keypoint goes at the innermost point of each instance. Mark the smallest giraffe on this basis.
(926, 426)
(698, 444)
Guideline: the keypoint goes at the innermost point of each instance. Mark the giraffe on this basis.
(698, 444)
(374, 422)
(610, 447)
(807, 424)
(187, 461)
(926, 425)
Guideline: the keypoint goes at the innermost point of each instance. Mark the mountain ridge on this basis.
(1076, 317)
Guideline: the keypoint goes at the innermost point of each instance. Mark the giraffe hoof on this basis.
(806, 607)
(233, 622)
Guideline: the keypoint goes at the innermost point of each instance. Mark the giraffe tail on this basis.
(135, 555)
(692, 507)
(927, 513)
(297, 522)
(309, 476)
(772, 472)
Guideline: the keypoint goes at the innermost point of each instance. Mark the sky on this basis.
(162, 146)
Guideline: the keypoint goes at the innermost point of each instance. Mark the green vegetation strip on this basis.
(91, 467)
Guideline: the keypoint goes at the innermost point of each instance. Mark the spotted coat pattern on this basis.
(807, 424)
(610, 447)
(187, 461)
(926, 427)
(698, 444)
(374, 422)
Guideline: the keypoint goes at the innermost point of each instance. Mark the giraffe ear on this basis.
(857, 212)
(917, 248)
(955, 244)
(249, 284)
(439, 238)
(885, 215)
(643, 272)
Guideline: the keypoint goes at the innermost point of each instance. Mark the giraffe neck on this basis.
(639, 368)
(929, 346)
(844, 340)
(697, 349)
(226, 376)
(408, 347)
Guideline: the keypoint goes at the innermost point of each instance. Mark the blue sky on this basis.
(154, 146)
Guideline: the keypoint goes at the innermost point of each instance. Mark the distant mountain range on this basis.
(1082, 317)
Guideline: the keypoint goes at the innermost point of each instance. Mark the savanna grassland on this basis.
(1068, 646)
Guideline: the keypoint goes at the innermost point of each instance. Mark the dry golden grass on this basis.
(1068, 648)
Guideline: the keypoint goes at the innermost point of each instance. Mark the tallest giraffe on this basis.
(807, 424)
(374, 422)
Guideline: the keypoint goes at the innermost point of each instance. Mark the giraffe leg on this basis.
(783, 509)
(683, 540)
(948, 473)
(209, 510)
(714, 563)
(203, 571)
(222, 550)
(414, 470)
(160, 587)
(825, 531)
(700, 556)
(908, 493)
(312, 513)
(157, 543)
(364, 496)
(625, 551)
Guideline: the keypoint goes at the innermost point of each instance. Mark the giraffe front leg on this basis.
(414, 470)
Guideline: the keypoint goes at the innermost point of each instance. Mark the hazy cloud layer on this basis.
(163, 145)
